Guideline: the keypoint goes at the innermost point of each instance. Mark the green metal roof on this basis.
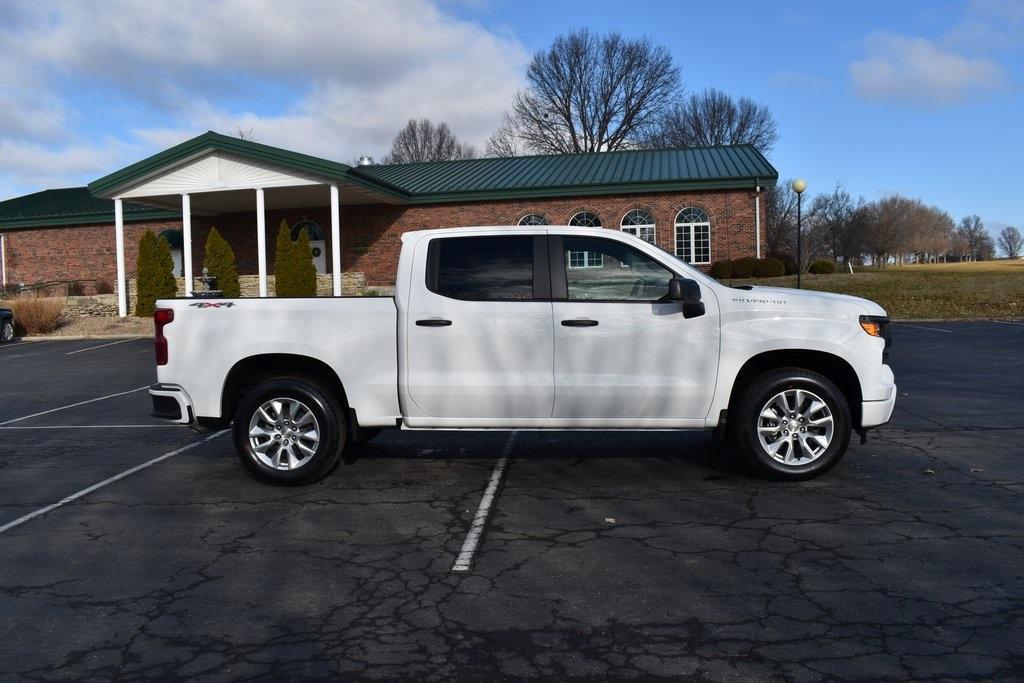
(622, 172)
(595, 173)
(70, 206)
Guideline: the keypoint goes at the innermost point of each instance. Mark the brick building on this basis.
(701, 204)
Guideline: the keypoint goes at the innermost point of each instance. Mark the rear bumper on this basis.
(171, 403)
(876, 413)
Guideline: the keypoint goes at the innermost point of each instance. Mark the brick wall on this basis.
(74, 253)
(371, 234)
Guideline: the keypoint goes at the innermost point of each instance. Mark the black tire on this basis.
(6, 331)
(745, 419)
(330, 421)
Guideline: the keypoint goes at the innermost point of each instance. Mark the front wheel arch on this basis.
(829, 365)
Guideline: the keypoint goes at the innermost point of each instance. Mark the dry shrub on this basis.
(36, 315)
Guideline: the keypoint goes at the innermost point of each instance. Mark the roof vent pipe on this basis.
(366, 160)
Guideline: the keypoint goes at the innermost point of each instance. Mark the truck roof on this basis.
(517, 229)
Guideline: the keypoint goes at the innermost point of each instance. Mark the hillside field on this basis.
(983, 289)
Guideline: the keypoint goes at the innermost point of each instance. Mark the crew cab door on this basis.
(479, 331)
(621, 353)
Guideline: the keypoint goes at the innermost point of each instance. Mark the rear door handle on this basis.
(579, 322)
(434, 322)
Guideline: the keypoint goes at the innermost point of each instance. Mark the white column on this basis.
(335, 239)
(757, 220)
(186, 241)
(261, 239)
(122, 282)
(3, 260)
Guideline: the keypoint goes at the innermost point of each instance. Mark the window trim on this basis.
(560, 283)
(521, 224)
(541, 270)
(636, 226)
(677, 224)
(580, 213)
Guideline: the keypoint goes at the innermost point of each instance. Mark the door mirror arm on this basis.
(687, 292)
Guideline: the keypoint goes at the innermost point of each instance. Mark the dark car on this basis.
(6, 325)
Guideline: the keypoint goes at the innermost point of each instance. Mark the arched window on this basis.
(693, 235)
(534, 219)
(177, 242)
(585, 219)
(640, 223)
(585, 259)
(312, 229)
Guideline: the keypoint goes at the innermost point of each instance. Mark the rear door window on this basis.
(482, 268)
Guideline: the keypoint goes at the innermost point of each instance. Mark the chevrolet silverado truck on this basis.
(517, 328)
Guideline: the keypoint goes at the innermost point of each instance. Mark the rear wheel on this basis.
(6, 331)
(289, 431)
(792, 424)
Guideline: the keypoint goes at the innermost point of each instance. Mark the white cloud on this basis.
(327, 77)
(916, 71)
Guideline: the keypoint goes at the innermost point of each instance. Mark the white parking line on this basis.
(1007, 322)
(106, 482)
(465, 559)
(922, 327)
(100, 346)
(80, 403)
(169, 424)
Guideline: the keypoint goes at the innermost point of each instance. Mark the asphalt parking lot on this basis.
(606, 554)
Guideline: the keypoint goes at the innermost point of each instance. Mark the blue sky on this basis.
(920, 98)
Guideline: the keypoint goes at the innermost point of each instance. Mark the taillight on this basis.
(161, 317)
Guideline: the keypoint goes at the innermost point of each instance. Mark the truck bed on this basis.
(355, 337)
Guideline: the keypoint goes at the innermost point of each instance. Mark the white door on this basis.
(619, 353)
(478, 344)
(319, 247)
(176, 257)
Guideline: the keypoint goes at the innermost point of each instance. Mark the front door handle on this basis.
(579, 322)
(434, 322)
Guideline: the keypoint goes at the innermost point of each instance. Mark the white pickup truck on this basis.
(529, 328)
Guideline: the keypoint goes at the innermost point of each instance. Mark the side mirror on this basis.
(687, 292)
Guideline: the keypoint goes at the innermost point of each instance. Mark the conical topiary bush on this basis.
(220, 262)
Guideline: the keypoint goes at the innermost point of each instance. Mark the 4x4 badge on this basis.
(213, 304)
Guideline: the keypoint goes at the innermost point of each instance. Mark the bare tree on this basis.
(244, 133)
(885, 227)
(780, 219)
(972, 231)
(711, 117)
(590, 93)
(504, 142)
(1011, 242)
(831, 224)
(423, 141)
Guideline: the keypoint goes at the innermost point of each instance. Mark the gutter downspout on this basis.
(757, 219)
(3, 260)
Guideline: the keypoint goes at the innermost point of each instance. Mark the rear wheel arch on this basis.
(253, 370)
(829, 365)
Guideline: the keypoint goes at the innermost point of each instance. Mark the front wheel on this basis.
(289, 431)
(6, 332)
(792, 424)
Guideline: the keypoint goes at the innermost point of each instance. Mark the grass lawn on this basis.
(986, 289)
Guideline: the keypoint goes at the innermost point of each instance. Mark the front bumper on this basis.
(876, 413)
(171, 403)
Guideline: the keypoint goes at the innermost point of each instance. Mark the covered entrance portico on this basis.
(214, 174)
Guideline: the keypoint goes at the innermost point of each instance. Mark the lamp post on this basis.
(799, 185)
